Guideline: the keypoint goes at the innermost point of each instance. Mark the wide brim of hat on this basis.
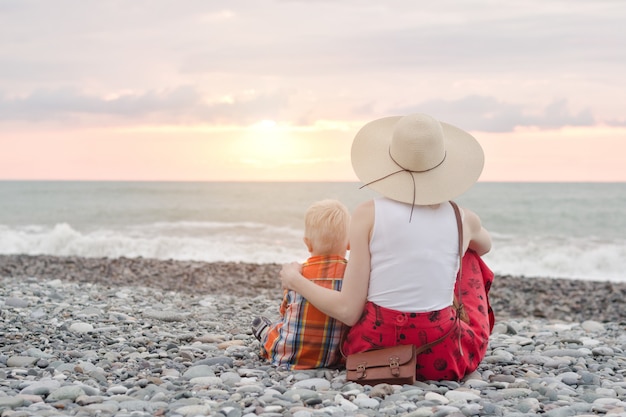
(373, 165)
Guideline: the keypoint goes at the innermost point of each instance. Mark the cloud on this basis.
(186, 105)
(331, 57)
(183, 104)
(43, 104)
(489, 114)
(616, 122)
(449, 37)
(303, 38)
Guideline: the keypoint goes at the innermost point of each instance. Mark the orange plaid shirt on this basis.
(304, 337)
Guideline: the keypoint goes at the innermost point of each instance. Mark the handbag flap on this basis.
(381, 357)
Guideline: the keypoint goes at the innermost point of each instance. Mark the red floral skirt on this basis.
(459, 353)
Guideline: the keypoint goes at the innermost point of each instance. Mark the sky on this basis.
(261, 90)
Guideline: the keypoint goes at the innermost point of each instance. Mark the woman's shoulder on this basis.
(363, 215)
(365, 206)
(470, 218)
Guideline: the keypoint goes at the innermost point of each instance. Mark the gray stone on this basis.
(105, 408)
(37, 353)
(117, 390)
(462, 395)
(364, 401)
(198, 371)
(318, 384)
(16, 302)
(529, 405)
(10, 402)
(135, 405)
(81, 327)
(301, 394)
(89, 399)
(194, 410)
(230, 378)
(210, 381)
(561, 412)
(602, 351)
(164, 315)
(573, 353)
(570, 378)
(21, 361)
(67, 392)
(219, 360)
(42, 387)
(592, 326)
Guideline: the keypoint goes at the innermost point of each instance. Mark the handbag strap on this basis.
(458, 302)
(424, 348)
(459, 225)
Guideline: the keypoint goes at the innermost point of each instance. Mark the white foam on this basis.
(593, 259)
(576, 258)
(209, 242)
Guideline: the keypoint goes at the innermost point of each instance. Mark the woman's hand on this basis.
(289, 274)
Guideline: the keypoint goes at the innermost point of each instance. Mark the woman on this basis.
(399, 284)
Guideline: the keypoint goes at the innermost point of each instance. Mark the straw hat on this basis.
(416, 159)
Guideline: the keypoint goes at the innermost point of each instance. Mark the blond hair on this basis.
(326, 224)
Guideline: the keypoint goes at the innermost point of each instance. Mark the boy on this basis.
(304, 337)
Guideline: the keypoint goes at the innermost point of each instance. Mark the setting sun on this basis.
(267, 144)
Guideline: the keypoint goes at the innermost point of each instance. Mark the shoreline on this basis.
(510, 296)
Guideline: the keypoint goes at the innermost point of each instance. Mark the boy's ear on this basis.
(308, 244)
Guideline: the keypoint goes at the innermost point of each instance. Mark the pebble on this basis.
(91, 350)
(81, 327)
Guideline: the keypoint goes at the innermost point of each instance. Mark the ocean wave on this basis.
(555, 257)
(558, 257)
(200, 241)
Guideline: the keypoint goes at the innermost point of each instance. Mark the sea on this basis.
(549, 230)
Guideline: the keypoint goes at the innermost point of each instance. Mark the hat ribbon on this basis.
(410, 172)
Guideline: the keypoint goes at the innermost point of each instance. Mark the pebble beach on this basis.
(141, 337)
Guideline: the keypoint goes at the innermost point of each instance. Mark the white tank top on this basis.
(413, 264)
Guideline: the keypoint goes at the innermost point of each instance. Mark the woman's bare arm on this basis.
(476, 237)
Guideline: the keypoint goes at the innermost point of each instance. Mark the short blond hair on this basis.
(326, 224)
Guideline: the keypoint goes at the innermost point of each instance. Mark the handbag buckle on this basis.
(360, 370)
(394, 364)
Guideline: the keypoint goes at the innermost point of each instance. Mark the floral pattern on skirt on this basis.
(458, 354)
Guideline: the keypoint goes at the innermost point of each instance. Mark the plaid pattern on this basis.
(304, 337)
